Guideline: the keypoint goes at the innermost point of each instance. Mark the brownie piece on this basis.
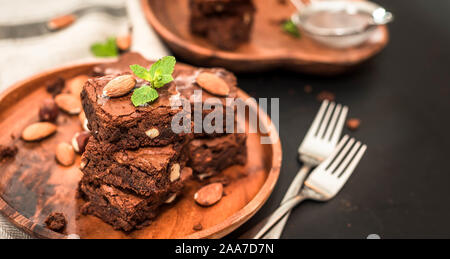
(146, 171)
(56, 221)
(225, 7)
(225, 23)
(7, 152)
(123, 210)
(117, 121)
(208, 157)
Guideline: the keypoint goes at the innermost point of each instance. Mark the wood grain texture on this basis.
(32, 185)
(269, 47)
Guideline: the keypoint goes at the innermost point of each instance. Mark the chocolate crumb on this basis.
(308, 89)
(353, 124)
(8, 152)
(198, 227)
(326, 95)
(56, 221)
(55, 86)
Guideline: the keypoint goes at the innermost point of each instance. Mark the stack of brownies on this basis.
(225, 23)
(134, 162)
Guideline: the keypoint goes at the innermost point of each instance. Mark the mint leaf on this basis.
(290, 27)
(141, 72)
(161, 71)
(159, 74)
(106, 49)
(143, 95)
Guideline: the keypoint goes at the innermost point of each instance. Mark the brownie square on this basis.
(145, 171)
(117, 121)
(225, 23)
(124, 211)
(209, 156)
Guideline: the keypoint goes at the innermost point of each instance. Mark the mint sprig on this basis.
(105, 49)
(290, 27)
(159, 74)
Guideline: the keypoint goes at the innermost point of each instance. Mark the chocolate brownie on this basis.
(225, 23)
(208, 157)
(123, 210)
(56, 221)
(215, 7)
(146, 171)
(117, 121)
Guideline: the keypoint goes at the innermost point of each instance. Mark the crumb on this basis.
(55, 86)
(326, 95)
(198, 227)
(8, 151)
(56, 221)
(308, 89)
(353, 124)
(13, 137)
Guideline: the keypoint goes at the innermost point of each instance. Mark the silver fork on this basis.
(322, 185)
(318, 144)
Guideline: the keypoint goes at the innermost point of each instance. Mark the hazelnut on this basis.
(48, 111)
(80, 140)
(152, 133)
(175, 172)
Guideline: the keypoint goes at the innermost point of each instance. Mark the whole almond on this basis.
(61, 22)
(75, 85)
(68, 103)
(65, 154)
(123, 42)
(209, 194)
(175, 172)
(38, 131)
(119, 86)
(171, 198)
(213, 84)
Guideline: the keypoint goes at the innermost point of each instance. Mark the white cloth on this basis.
(23, 57)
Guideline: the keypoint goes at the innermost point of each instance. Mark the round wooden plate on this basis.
(269, 48)
(32, 185)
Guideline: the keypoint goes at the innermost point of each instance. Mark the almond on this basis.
(68, 103)
(123, 42)
(65, 154)
(152, 133)
(171, 198)
(38, 131)
(209, 194)
(75, 85)
(119, 86)
(61, 22)
(213, 84)
(175, 172)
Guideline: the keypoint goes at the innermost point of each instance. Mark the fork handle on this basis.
(261, 228)
(293, 190)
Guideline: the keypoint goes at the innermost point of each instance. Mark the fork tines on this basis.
(331, 175)
(328, 121)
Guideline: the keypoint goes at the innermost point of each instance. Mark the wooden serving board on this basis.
(32, 185)
(269, 47)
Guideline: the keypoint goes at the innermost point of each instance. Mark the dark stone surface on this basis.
(401, 187)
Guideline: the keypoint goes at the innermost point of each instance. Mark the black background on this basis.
(401, 187)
